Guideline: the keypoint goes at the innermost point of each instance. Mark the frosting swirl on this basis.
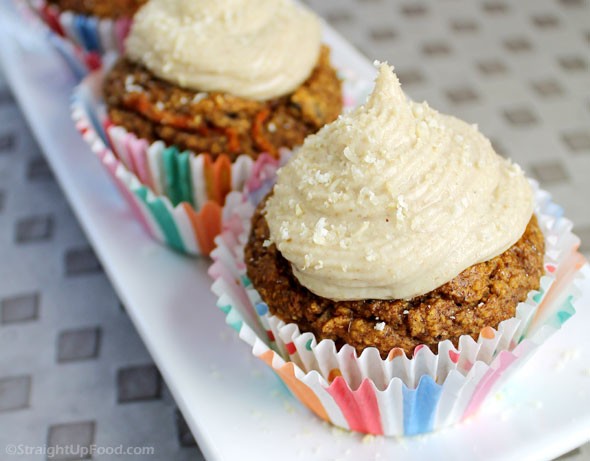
(255, 49)
(393, 200)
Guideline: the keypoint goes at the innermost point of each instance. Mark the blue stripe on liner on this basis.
(90, 33)
(261, 308)
(66, 51)
(420, 406)
(78, 24)
(86, 28)
(85, 97)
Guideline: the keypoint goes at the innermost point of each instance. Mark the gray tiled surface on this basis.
(80, 434)
(15, 393)
(20, 308)
(79, 344)
(65, 341)
(138, 383)
(72, 368)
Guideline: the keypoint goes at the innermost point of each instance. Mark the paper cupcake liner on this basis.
(399, 395)
(82, 40)
(178, 196)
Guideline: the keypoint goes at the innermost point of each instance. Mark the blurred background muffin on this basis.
(206, 93)
(224, 77)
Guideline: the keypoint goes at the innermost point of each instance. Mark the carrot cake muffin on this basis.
(224, 77)
(112, 9)
(396, 226)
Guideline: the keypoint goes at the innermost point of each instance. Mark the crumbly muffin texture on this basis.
(218, 123)
(112, 9)
(481, 296)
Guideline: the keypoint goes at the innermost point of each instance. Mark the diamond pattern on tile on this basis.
(584, 234)
(413, 10)
(550, 172)
(569, 454)
(138, 383)
(80, 261)
(410, 76)
(491, 67)
(75, 345)
(185, 437)
(15, 393)
(22, 308)
(577, 141)
(383, 34)
(34, 229)
(462, 95)
(6, 97)
(38, 169)
(545, 21)
(520, 116)
(547, 88)
(7, 142)
(573, 63)
(495, 7)
(498, 147)
(338, 17)
(517, 44)
(464, 25)
(75, 435)
(573, 2)
(437, 48)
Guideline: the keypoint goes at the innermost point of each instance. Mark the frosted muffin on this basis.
(394, 227)
(226, 77)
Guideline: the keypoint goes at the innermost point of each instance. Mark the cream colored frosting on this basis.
(393, 200)
(256, 49)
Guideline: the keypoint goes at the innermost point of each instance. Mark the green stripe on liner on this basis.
(171, 174)
(245, 281)
(185, 182)
(234, 320)
(539, 296)
(163, 218)
(566, 311)
(225, 308)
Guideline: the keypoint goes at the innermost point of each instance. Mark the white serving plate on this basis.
(235, 406)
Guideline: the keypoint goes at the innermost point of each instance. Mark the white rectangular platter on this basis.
(235, 406)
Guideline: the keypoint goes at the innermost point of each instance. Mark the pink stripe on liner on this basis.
(360, 407)
(111, 166)
(503, 361)
(119, 145)
(122, 27)
(263, 169)
(128, 143)
(138, 150)
(106, 125)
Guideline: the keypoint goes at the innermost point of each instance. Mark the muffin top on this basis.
(393, 200)
(255, 49)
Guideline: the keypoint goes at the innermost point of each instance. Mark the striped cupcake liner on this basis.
(398, 396)
(82, 40)
(178, 196)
